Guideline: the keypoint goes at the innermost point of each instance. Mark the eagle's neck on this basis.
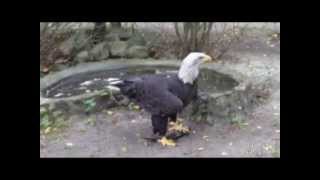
(188, 73)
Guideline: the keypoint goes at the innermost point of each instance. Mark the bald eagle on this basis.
(165, 95)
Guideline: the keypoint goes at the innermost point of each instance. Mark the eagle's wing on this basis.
(152, 94)
(161, 102)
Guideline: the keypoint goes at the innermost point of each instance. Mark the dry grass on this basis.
(52, 35)
(50, 40)
(163, 41)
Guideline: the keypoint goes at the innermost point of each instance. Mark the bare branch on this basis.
(177, 32)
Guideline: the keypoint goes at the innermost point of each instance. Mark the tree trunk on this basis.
(176, 27)
(192, 36)
(99, 32)
(115, 25)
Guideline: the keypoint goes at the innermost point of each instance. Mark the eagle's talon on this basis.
(164, 141)
(179, 120)
(178, 126)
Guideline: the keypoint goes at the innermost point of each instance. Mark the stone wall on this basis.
(116, 44)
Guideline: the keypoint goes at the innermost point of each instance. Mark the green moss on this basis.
(89, 104)
(51, 119)
(238, 121)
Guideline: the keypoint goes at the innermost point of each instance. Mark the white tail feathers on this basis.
(113, 88)
(116, 82)
(113, 81)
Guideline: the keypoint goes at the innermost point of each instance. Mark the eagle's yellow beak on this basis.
(207, 59)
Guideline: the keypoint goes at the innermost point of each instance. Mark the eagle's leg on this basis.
(173, 118)
(159, 124)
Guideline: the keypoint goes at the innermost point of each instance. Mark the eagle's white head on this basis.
(189, 68)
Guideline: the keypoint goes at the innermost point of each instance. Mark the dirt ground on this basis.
(117, 133)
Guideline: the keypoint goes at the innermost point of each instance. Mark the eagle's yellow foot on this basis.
(179, 120)
(178, 126)
(166, 142)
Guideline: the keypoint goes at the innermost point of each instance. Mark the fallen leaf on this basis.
(47, 130)
(45, 70)
(200, 149)
(136, 107)
(205, 138)
(124, 149)
(110, 113)
(91, 121)
(267, 147)
(42, 110)
(224, 153)
(69, 144)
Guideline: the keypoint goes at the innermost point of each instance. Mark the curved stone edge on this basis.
(88, 67)
(119, 63)
(96, 66)
(71, 103)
